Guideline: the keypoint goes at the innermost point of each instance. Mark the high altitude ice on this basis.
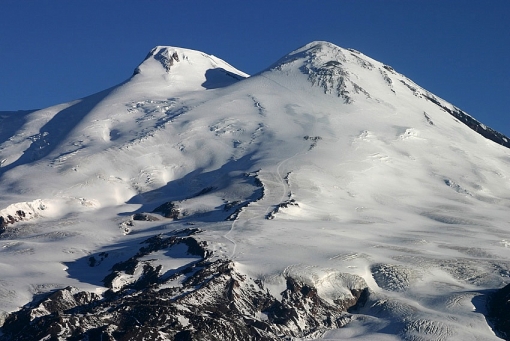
(362, 174)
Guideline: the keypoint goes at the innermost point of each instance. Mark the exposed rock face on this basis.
(324, 65)
(144, 217)
(472, 123)
(20, 211)
(168, 210)
(11, 219)
(204, 300)
(50, 315)
(166, 59)
(499, 312)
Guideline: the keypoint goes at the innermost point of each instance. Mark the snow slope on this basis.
(326, 164)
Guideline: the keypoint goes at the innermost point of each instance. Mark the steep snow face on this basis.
(325, 167)
(186, 70)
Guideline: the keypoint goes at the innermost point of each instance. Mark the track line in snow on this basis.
(285, 191)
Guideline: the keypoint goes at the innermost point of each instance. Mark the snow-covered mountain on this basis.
(327, 196)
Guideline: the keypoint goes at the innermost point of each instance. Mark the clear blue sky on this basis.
(54, 51)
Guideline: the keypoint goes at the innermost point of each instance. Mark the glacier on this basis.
(325, 197)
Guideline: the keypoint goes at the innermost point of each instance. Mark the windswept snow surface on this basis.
(336, 163)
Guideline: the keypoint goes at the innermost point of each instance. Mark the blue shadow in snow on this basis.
(197, 183)
(11, 122)
(93, 268)
(56, 130)
(219, 78)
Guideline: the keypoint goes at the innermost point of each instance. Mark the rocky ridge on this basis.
(20, 212)
(209, 299)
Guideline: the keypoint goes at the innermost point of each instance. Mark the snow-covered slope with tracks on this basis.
(328, 168)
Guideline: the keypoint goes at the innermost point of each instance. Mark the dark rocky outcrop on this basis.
(499, 312)
(168, 210)
(314, 140)
(144, 217)
(207, 299)
(167, 60)
(11, 219)
(276, 209)
(472, 123)
(236, 207)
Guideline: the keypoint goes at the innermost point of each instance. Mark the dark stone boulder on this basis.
(168, 210)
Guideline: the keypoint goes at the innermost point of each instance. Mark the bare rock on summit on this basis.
(166, 59)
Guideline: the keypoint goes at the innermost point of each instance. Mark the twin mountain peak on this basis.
(344, 73)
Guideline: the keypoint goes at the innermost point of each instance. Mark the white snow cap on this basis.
(188, 68)
(328, 167)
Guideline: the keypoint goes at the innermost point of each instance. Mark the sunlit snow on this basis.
(361, 175)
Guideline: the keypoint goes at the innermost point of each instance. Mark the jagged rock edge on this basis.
(215, 301)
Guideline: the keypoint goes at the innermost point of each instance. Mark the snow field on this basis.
(389, 190)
